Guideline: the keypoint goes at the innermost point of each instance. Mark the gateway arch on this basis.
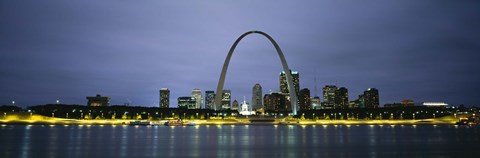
(221, 81)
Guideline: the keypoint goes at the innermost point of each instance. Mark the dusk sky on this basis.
(128, 50)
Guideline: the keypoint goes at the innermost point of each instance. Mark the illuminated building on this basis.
(407, 102)
(246, 109)
(315, 102)
(329, 94)
(164, 98)
(341, 98)
(235, 105)
(283, 81)
(266, 103)
(358, 103)
(285, 105)
(278, 102)
(197, 94)
(371, 98)
(187, 102)
(435, 104)
(353, 104)
(304, 99)
(361, 101)
(98, 101)
(257, 97)
(209, 99)
(226, 98)
(284, 84)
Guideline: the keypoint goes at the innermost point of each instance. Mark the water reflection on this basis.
(26, 142)
(239, 141)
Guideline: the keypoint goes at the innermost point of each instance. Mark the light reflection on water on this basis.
(239, 141)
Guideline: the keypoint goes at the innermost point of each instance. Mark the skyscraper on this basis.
(371, 98)
(257, 97)
(209, 99)
(329, 94)
(341, 98)
(284, 87)
(226, 98)
(266, 103)
(187, 102)
(315, 102)
(276, 101)
(235, 105)
(361, 101)
(304, 99)
(164, 98)
(197, 94)
(284, 84)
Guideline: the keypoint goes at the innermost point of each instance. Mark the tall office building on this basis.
(187, 102)
(341, 98)
(266, 103)
(371, 98)
(315, 102)
(361, 101)
(226, 99)
(354, 104)
(329, 94)
(285, 105)
(235, 105)
(197, 94)
(284, 84)
(257, 97)
(278, 102)
(164, 98)
(209, 99)
(304, 99)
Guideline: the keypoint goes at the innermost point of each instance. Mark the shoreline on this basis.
(231, 122)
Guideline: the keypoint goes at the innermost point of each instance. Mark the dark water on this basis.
(21, 141)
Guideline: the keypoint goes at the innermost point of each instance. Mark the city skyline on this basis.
(423, 51)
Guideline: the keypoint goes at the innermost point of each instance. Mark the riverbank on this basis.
(33, 119)
(232, 122)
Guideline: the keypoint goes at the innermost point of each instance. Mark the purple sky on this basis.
(67, 50)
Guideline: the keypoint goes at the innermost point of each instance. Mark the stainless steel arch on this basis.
(293, 96)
